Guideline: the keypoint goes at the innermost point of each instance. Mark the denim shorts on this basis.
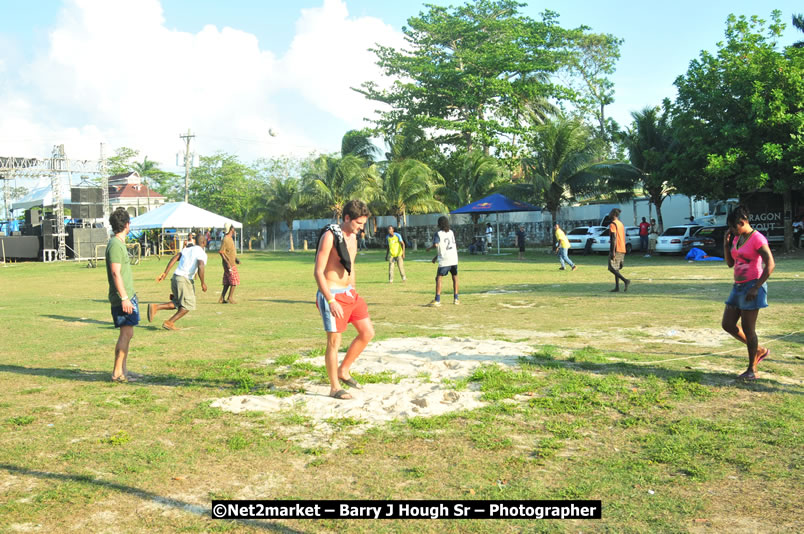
(121, 318)
(737, 297)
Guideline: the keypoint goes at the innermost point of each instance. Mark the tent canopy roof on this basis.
(180, 215)
(496, 203)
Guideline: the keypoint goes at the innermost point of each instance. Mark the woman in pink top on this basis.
(747, 251)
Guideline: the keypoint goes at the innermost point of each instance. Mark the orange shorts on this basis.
(353, 305)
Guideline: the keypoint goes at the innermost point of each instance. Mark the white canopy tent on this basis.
(182, 215)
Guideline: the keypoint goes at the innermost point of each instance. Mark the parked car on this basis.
(579, 235)
(602, 242)
(707, 238)
(672, 239)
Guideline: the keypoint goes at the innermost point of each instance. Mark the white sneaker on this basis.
(434, 304)
(456, 302)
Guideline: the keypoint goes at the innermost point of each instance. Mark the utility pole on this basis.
(187, 159)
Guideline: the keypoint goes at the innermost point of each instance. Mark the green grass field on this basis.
(627, 398)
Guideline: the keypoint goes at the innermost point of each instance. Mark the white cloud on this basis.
(114, 72)
(329, 55)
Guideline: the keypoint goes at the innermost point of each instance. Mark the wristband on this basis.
(330, 301)
(122, 299)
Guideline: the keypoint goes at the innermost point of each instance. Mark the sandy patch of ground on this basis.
(425, 368)
(703, 337)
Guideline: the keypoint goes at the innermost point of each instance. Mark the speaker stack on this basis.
(87, 202)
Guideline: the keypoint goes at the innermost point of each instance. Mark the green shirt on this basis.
(116, 252)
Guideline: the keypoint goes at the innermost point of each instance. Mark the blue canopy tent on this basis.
(496, 204)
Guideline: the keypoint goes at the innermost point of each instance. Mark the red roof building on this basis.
(128, 191)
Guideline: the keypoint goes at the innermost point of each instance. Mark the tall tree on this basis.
(566, 159)
(409, 186)
(652, 149)
(739, 116)
(469, 72)
(224, 185)
(333, 181)
(469, 177)
(590, 66)
(121, 162)
(358, 143)
(798, 23)
(284, 201)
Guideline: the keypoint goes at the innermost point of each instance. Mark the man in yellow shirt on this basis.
(562, 248)
(395, 253)
(617, 250)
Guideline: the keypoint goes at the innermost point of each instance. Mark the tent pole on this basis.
(497, 218)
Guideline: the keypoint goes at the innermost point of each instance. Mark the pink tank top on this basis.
(747, 261)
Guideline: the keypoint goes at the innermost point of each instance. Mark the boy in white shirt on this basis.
(444, 242)
(192, 259)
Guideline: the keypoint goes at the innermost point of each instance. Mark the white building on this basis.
(128, 191)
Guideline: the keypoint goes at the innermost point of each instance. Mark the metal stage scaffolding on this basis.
(55, 167)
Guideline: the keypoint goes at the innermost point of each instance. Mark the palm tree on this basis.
(650, 144)
(565, 160)
(285, 201)
(146, 169)
(798, 22)
(473, 177)
(409, 186)
(358, 143)
(333, 181)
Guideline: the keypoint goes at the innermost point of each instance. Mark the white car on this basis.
(602, 243)
(671, 241)
(577, 236)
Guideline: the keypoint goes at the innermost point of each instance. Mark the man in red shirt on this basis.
(644, 230)
(617, 250)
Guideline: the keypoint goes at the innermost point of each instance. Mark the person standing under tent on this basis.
(520, 241)
(489, 235)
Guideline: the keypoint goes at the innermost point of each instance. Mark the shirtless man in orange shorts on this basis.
(337, 301)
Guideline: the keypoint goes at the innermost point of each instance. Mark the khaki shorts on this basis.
(617, 262)
(183, 292)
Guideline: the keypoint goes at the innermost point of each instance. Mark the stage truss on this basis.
(55, 167)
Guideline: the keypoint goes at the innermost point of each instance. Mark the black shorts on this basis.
(450, 269)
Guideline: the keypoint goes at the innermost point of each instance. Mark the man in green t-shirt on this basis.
(125, 310)
(395, 253)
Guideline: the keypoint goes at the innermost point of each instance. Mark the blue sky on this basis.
(137, 73)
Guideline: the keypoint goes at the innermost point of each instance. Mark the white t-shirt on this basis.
(447, 249)
(489, 233)
(188, 263)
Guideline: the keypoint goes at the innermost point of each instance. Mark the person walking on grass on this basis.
(337, 300)
(395, 254)
(228, 253)
(125, 309)
(192, 259)
(747, 252)
(617, 250)
(520, 241)
(562, 248)
(447, 257)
